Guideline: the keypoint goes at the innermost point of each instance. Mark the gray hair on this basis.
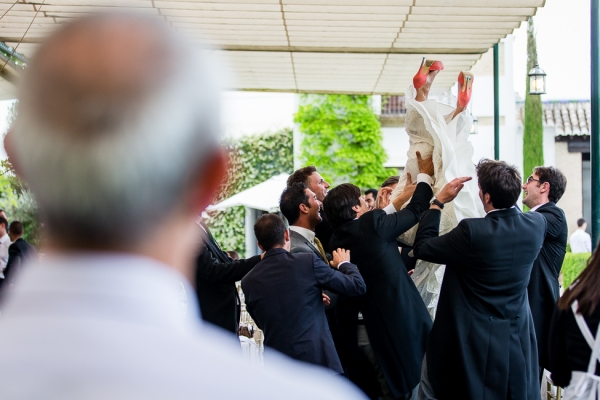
(117, 115)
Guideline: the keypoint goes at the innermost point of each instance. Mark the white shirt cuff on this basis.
(343, 262)
(389, 209)
(424, 178)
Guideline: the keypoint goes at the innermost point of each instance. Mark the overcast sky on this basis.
(563, 43)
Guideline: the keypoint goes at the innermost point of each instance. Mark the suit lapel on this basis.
(305, 241)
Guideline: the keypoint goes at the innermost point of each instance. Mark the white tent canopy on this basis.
(264, 196)
(325, 46)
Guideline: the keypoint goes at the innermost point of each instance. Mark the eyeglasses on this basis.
(531, 178)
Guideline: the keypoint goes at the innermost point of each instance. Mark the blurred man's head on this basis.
(15, 230)
(299, 205)
(344, 203)
(3, 214)
(371, 198)
(312, 179)
(271, 233)
(118, 121)
(581, 224)
(499, 184)
(3, 226)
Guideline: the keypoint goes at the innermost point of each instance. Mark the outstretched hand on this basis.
(339, 256)
(425, 164)
(452, 188)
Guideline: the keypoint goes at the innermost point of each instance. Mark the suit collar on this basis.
(548, 204)
(299, 237)
(507, 212)
(274, 252)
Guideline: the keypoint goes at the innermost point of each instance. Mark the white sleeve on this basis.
(424, 178)
(390, 209)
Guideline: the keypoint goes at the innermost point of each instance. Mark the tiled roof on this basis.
(568, 117)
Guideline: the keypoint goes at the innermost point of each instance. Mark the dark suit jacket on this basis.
(216, 275)
(283, 296)
(18, 253)
(324, 231)
(543, 285)
(482, 344)
(395, 316)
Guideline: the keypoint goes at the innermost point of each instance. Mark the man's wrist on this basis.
(340, 264)
(423, 177)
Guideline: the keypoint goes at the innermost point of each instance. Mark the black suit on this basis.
(324, 231)
(482, 344)
(543, 285)
(283, 296)
(216, 275)
(395, 316)
(18, 253)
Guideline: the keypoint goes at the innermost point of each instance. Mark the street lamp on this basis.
(474, 126)
(537, 80)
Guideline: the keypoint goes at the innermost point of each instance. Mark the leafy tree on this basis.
(533, 129)
(342, 138)
(252, 160)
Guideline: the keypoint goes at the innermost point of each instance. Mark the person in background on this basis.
(574, 330)
(5, 242)
(315, 182)
(19, 252)
(387, 187)
(371, 198)
(580, 240)
(284, 295)
(118, 136)
(543, 189)
(3, 214)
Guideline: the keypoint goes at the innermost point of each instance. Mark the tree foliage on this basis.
(252, 160)
(533, 129)
(16, 198)
(342, 138)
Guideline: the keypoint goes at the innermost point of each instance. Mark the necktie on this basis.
(321, 249)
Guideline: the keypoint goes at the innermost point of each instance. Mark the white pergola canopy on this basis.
(264, 196)
(324, 46)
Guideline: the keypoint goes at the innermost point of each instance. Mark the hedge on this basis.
(572, 266)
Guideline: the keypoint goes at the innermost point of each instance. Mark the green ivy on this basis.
(533, 129)
(342, 138)
(252, 160)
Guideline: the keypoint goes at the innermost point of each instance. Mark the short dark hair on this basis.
(580, 222)
(556, 179)
(392, 180)
(301, 175)
(269, 230)
(371, 191)
(500, 180)
(4, 222)
(290, 201)
(339, 202)
(16, 228)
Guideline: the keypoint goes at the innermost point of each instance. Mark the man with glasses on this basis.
(543, 189)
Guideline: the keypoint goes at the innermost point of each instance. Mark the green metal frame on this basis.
(595, 131)
(496, 103)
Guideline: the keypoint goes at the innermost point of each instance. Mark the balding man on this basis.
(117, 136)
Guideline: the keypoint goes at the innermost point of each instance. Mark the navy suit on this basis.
(482, 345)
(18, 253)
(283, 296)
(543, 288)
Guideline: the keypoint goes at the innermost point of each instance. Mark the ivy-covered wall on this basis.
(252, 160)
(342, 137)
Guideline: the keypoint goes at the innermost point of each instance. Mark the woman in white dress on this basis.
(441, 131)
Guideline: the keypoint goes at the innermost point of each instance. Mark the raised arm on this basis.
(209, 269)
(341, 277)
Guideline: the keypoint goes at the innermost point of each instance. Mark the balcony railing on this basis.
(393, 106)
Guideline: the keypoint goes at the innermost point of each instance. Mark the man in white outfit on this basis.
(118, 137)
(580, 240)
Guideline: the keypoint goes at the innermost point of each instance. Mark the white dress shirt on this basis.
(4, 244)
(110, 326)
(581, 242)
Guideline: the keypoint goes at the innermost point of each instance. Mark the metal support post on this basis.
(496, 103)
(595, 134)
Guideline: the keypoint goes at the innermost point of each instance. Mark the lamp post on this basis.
(537, 80)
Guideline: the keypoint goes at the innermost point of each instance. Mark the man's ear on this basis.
(356, 208)
(286, 235)
(208, 181)
(303, 208)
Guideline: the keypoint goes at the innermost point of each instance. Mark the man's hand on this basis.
(425, 164)
(407, 192)
(412, 271)
(452, 188)
(326, 299)
(339, 255)
(383, 197)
